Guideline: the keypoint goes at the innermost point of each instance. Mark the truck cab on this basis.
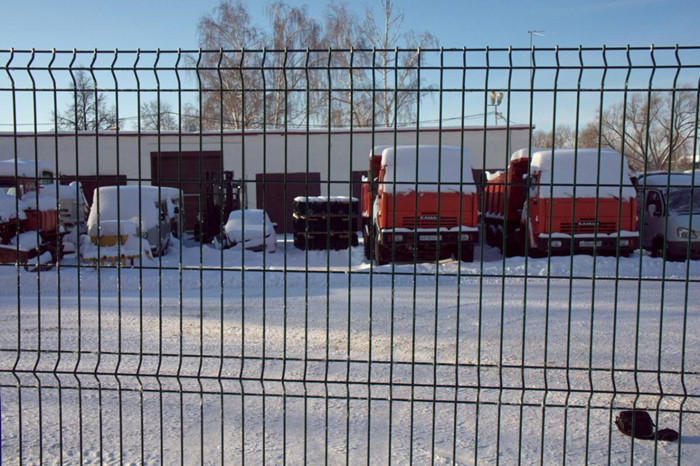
(421, 202)
(562, 201)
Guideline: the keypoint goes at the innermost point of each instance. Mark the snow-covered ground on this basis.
(355, 363)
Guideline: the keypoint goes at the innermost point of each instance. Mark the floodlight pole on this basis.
(533, 32)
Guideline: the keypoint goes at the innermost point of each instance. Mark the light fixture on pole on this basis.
(495, 99)
(533, 33)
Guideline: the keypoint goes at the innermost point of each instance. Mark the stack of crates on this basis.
(325, 222)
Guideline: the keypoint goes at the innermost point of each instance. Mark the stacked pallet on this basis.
(325, 222)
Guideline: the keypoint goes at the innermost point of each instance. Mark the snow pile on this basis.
(42, 202)
(562, 169)
(27, 241)
(72, 192)
(8, 208)
(24, 168)
(435, 164)
(126, 200)
(133, 247)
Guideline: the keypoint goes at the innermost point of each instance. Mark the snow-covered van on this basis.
(579, 201)
(671, 217)
(28, 217)
(421, 200)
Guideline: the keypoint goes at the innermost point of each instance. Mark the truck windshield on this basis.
(8, 185)
(679, 200)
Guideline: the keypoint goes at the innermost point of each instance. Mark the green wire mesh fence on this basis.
(349, 256)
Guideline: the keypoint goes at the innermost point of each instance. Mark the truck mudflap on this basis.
(603, 245)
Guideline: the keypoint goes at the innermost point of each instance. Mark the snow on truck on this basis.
(419, 199)
(580, 200)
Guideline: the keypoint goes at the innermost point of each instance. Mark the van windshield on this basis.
(679, 200)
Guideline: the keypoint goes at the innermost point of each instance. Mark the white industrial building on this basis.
(314, 162)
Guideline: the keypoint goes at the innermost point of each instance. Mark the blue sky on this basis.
(170, 24)
(130, 24)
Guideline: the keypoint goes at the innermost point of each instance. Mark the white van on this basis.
(671, 204)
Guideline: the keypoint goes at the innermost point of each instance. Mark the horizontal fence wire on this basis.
(456, 255)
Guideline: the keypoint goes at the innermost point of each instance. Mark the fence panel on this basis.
(520, 265)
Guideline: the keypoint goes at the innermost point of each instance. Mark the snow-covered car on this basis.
(114, 208)
(251, 229)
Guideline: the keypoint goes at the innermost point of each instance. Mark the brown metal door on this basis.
(270, 194)
(195, 167)
(90, 182)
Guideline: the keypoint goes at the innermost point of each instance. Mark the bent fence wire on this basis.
(308, 348)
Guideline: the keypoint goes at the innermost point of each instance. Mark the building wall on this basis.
(272, 152)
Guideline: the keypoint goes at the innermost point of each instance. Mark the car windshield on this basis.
(679, 200)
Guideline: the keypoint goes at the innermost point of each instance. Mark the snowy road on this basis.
(536, 363)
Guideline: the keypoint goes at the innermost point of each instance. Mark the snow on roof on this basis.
(25, 168)
(562, 170)
(45, 203)
(664, 179)
(127, 199)
(8, 208)
(400, 164)
(63, 192)
(377, 150)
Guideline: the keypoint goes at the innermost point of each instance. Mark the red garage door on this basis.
(196, 168)
(270, 194)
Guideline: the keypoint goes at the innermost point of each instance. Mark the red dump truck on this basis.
(578, 200)
(29, 230)
(419, 200)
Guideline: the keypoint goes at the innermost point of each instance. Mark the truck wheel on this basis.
(467, 254)
(365, 244)
(382, 254)
(657, 247)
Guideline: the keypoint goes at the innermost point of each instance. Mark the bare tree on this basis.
(389, 95)
(88, 109)
(589, 135)
(563, 138)
(351, 99)
(155, 118)
(396, 71)
(289, 68)
(652, 131)
(225, 101)
(189, 117)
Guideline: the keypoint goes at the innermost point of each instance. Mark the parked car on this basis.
(114, 207)
(671, 219)
(251, 229)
